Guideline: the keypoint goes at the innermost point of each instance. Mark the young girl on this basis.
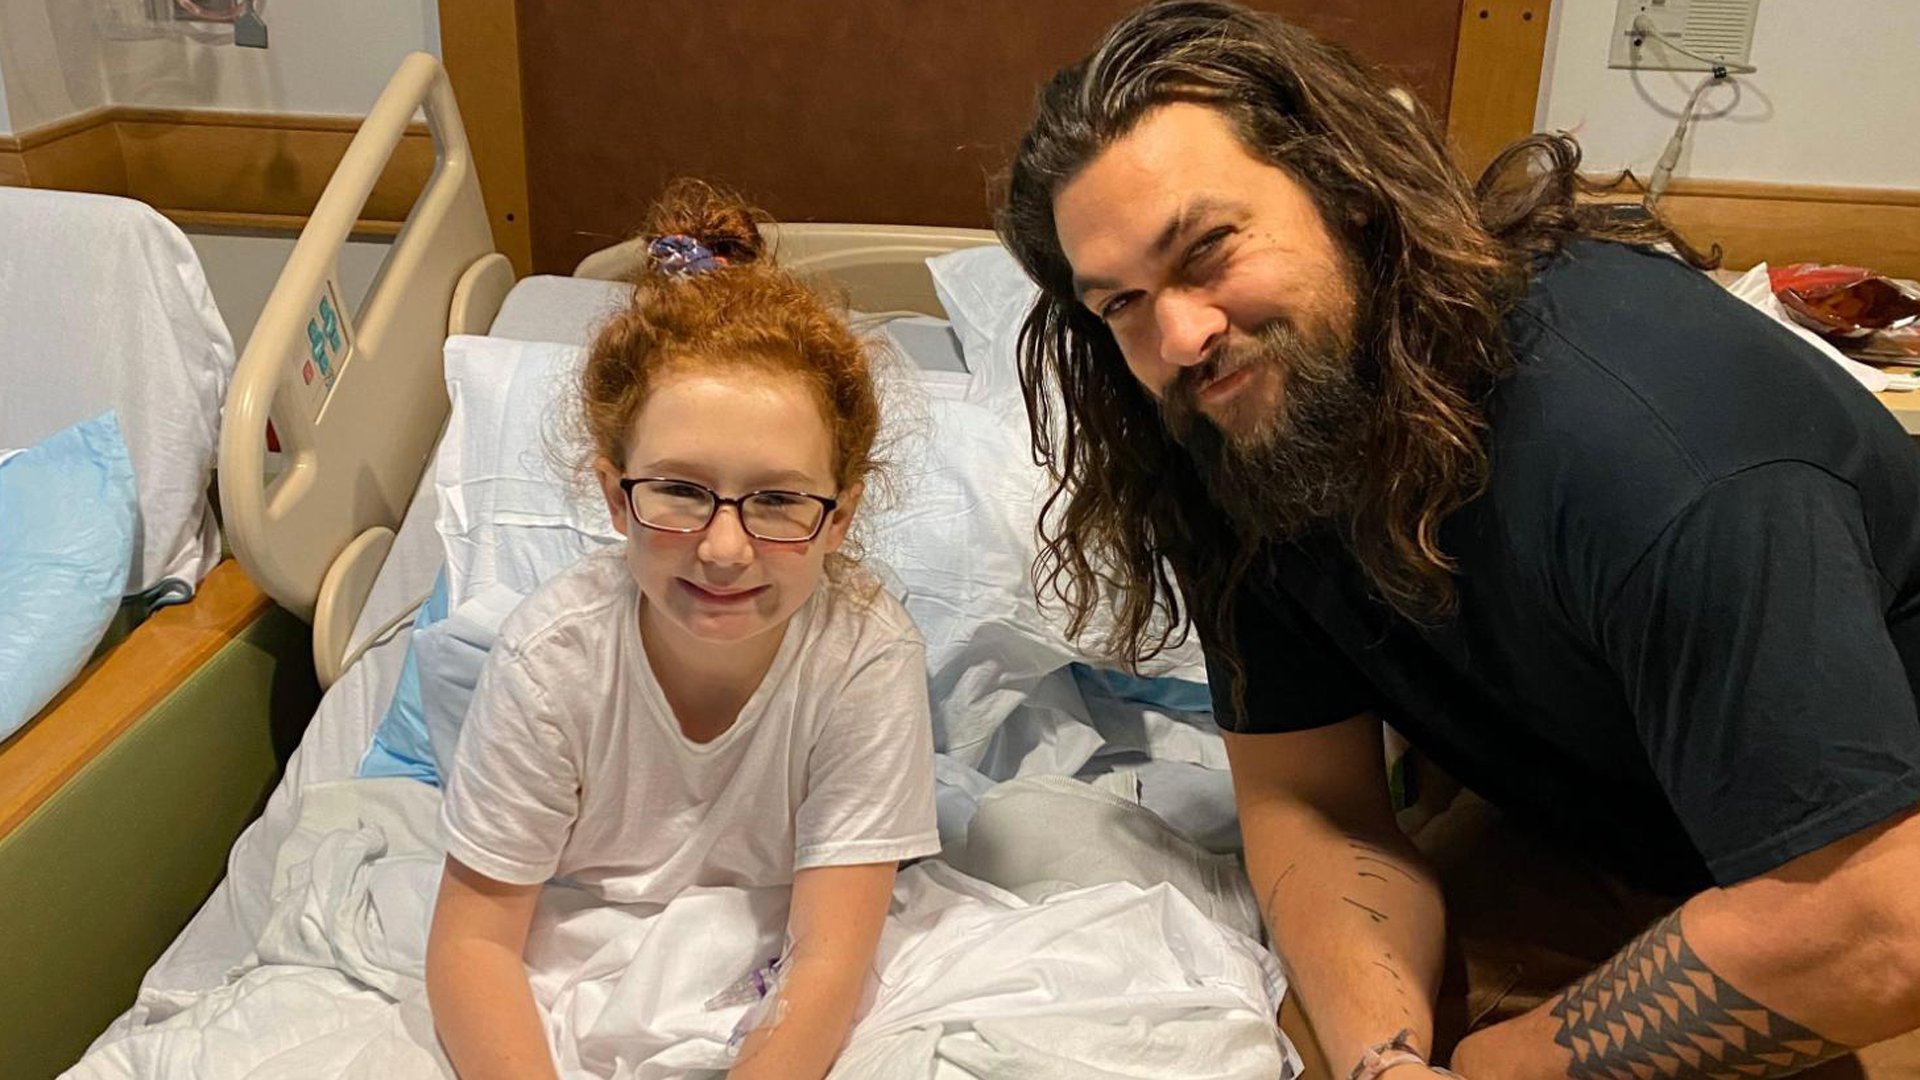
(722, 700)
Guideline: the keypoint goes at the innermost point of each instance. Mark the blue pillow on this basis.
(69, 509)
(400, 745)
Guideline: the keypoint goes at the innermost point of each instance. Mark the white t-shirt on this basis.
(572, 765)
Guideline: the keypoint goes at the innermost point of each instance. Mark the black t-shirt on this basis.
(1689, 621)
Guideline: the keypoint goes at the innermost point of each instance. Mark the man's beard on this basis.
(1302, 465)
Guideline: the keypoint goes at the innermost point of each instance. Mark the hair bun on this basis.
(721, 221)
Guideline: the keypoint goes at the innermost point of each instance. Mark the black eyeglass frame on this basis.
(738, 502)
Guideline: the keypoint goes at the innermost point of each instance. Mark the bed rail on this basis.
(355, 394)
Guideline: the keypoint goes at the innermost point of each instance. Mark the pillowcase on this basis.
(103, 305)
(987, 296)
(69, 513)
(451, 653)
(401, 746)
(510, 511)
(444, 657)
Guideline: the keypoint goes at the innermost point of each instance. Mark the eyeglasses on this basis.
(682, 506)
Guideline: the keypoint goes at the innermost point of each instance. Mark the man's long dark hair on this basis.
(1439, 262)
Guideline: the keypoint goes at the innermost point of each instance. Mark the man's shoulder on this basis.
(1638, 381)
(1620, 353)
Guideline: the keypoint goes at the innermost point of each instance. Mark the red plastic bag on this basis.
(1869, 315)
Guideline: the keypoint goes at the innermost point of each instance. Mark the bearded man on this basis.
(1493, 465)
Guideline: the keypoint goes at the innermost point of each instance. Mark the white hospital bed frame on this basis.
(314, 538)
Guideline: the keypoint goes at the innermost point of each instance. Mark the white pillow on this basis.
(103, 306)
(986, 296)
(511, 512)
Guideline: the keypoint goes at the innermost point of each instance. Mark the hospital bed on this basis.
(119, 796)
(350, 536)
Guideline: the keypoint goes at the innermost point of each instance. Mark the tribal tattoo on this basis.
(1657, 1010)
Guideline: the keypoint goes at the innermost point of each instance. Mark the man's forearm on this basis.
(1761, 979)
(1360, 927)
(1657, 1009)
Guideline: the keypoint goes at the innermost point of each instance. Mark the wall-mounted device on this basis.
(1683, 35)
(211, 22)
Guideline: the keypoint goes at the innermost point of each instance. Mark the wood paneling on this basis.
(480, 46)
(1496, 77)
(271, 167)
(80, 153)
(1753, 222)
(850, 110)
(117, 690)
(270, 164)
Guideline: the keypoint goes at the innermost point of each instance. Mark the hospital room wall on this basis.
(59, 58)
(328, 57)
(241, 272)
(50, 62)
(1834, 101)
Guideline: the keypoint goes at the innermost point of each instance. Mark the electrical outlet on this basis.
(1720, 29)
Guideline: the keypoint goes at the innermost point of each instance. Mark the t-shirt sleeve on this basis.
(1753, 646)
(870, 773)
(1295, 676)
(514, 789)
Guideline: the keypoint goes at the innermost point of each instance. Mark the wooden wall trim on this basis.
(480, 46)
(66, 127)
(121, 687)
(273, 166)
(1754, 222)
(1496, 78)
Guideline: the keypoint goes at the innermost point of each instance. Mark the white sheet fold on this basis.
(1114, 980)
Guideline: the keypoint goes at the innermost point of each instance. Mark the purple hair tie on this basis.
(682, 256)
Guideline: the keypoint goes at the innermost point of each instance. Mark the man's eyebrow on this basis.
(1182, 222)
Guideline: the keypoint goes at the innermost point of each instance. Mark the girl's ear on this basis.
(835, 533)
(608, 474)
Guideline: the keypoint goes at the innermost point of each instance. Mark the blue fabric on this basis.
(69, 510)
(401, 746)
(1166, 694)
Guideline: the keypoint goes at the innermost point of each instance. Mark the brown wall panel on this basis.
(834, 110)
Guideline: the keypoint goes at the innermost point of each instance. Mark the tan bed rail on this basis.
(356, 395)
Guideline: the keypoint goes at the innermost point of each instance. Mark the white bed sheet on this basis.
(224, 930)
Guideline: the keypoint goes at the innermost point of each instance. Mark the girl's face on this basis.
(733, 431)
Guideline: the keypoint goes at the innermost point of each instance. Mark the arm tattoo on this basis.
(1270, 910)
(1656, 1009)
(1372, 913)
